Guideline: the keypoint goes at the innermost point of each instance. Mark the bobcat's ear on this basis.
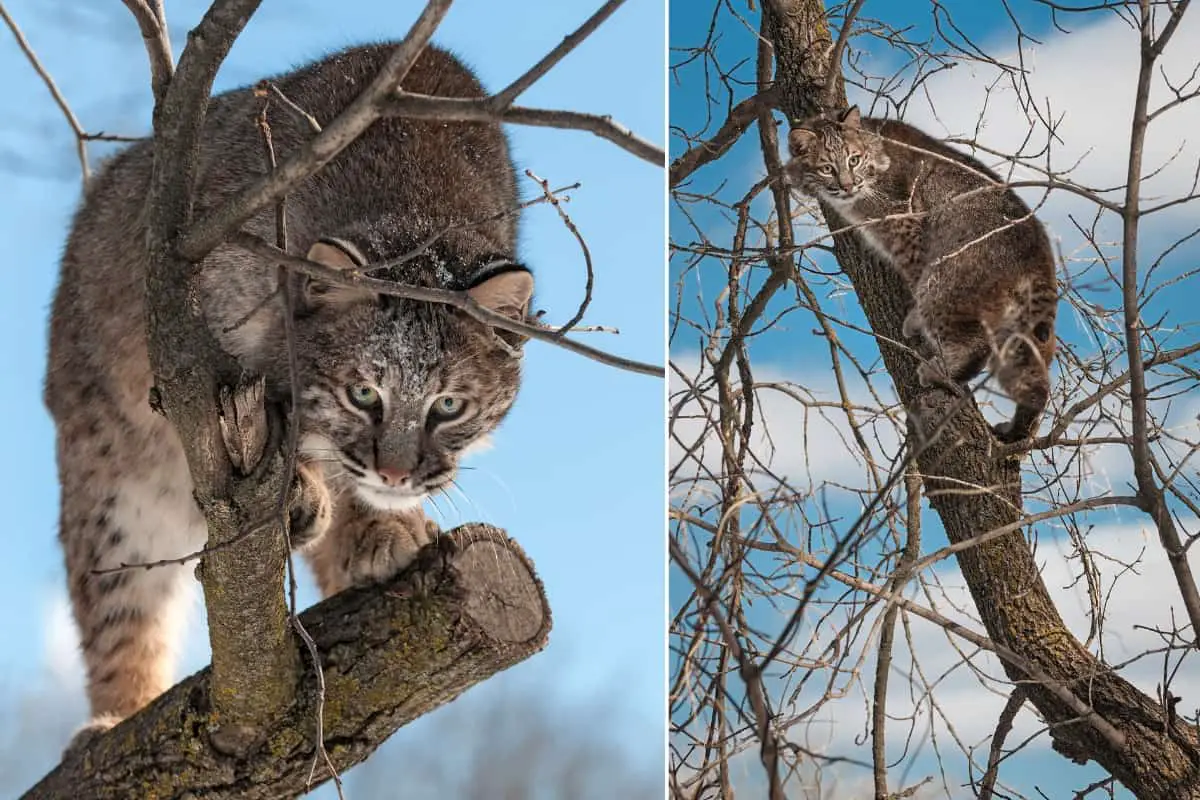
(508, 292)
(339, 255)
(851, 117)
(799, 140)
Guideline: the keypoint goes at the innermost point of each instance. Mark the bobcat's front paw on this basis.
(310, 507)
(389, 543)
(88, 733)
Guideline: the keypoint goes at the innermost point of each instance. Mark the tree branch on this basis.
(152, 22)
(336, 136)
(81, 137)
(390, 654)
(254, 657)
(459, 300)
(737, 123)
(505, 97)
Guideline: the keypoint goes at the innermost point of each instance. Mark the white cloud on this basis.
(1096, 105)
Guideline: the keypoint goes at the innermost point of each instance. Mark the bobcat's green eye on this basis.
(854, 160)
(448, 406)
(825, 169)
(364, 397)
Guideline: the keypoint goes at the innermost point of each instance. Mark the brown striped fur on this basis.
(367, 466)
(975, 259)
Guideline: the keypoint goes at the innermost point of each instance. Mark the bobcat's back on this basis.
(976, 260)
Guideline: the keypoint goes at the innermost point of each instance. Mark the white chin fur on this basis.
(385, 500)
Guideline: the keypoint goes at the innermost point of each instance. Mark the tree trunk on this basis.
(1160, 758)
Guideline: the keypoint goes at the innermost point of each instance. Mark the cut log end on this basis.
(503, 593)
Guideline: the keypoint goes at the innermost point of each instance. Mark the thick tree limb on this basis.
(738, 121)
(254, 656)
(390, 654)
(1161, 754)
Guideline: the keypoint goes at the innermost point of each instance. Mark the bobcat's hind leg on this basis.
(130, 620)
(1023, 372)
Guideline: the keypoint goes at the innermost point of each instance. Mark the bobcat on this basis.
(390, 393)
(977, 262)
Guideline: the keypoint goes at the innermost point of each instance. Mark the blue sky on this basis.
(576, 472)
(1096, 126)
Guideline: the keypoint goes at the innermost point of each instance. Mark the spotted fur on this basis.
(126, 491)
(975, 259)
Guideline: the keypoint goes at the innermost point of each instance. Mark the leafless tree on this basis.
(290, 702)
(806, 519)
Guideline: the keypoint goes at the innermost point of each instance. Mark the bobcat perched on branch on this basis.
(391, 392)
(977, 262)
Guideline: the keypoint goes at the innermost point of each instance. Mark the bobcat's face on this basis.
(395, 391)
(834, 158)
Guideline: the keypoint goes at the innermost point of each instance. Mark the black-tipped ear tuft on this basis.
(799, 140)
(851, 117)
(507, 291)
(339, 255)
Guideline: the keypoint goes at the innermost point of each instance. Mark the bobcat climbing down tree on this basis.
(975, 259)
(391, 391)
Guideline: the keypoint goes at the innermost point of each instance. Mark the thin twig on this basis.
(320, 753)
(419, 106)
(459, 300)
(505, 97)
(587, 256)
(60, 101)
(434, 238)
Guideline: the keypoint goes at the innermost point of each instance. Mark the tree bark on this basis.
(390, 653)
(1160, 756)
(253, 653)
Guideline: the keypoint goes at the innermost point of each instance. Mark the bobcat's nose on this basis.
(393, 476)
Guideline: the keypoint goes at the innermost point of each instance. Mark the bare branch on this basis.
(80, 136)
(459, 300)
(505, 97)
(152, 22)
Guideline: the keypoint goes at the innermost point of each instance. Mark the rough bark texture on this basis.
(390, 654)
(1161, 757)
(254, 657)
